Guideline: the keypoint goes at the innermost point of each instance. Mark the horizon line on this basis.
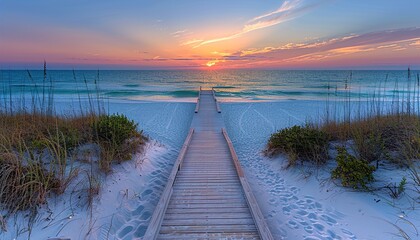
(349, 68)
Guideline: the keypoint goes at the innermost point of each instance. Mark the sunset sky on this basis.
(195, 34)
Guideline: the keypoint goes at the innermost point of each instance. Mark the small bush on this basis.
(115, 129)
(353, 172)
(118, 138)
(304, 143)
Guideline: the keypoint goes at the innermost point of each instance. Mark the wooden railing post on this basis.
(197, 106)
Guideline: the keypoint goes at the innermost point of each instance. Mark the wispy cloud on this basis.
(286, 6)
(391, 39)
(178, 33)
(287, 11)
(189, 42)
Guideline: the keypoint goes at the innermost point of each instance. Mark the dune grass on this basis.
(385, 131)
(395, 137)
(42, 152)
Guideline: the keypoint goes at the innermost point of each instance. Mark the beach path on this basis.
(207, 195)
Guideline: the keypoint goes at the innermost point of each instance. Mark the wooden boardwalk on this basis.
(207, 195)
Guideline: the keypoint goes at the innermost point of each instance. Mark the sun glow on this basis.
(211, 63)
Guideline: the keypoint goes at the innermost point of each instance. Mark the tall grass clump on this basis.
(391, 137)
(35, 159)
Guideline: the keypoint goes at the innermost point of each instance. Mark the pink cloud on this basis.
(391, 39)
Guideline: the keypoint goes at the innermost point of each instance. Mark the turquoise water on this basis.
(230, 85)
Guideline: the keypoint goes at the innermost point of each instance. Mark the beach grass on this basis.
(385, 131)
(42, 152)
(395, 137)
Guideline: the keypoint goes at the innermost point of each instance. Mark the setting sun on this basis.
(211, 64)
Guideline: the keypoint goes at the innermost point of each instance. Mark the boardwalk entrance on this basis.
(207, 196)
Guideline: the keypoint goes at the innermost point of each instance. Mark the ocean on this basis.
(230, 85)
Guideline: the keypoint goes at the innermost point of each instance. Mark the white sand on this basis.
(297, 205)
(301, 202)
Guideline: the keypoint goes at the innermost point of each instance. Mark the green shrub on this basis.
(353, 172)
(118, 138)
(115, 128)
(304, 143)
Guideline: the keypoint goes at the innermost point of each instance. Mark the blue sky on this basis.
(167, 34)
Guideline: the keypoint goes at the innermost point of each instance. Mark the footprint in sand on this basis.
(156, 172)
(329, 220)
(286, 210)
(309, 229)
(272, 214)
(157, 182)
(312, 217)
(140, 231)
(146, 215)
(137, 211)
(319, 227)
(348, 234)
(125, 231)
(292, 224)
(146, 193)
(332, 235)
(302, 213)
(294, 190)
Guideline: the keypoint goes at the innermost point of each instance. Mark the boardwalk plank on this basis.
(205, 215)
